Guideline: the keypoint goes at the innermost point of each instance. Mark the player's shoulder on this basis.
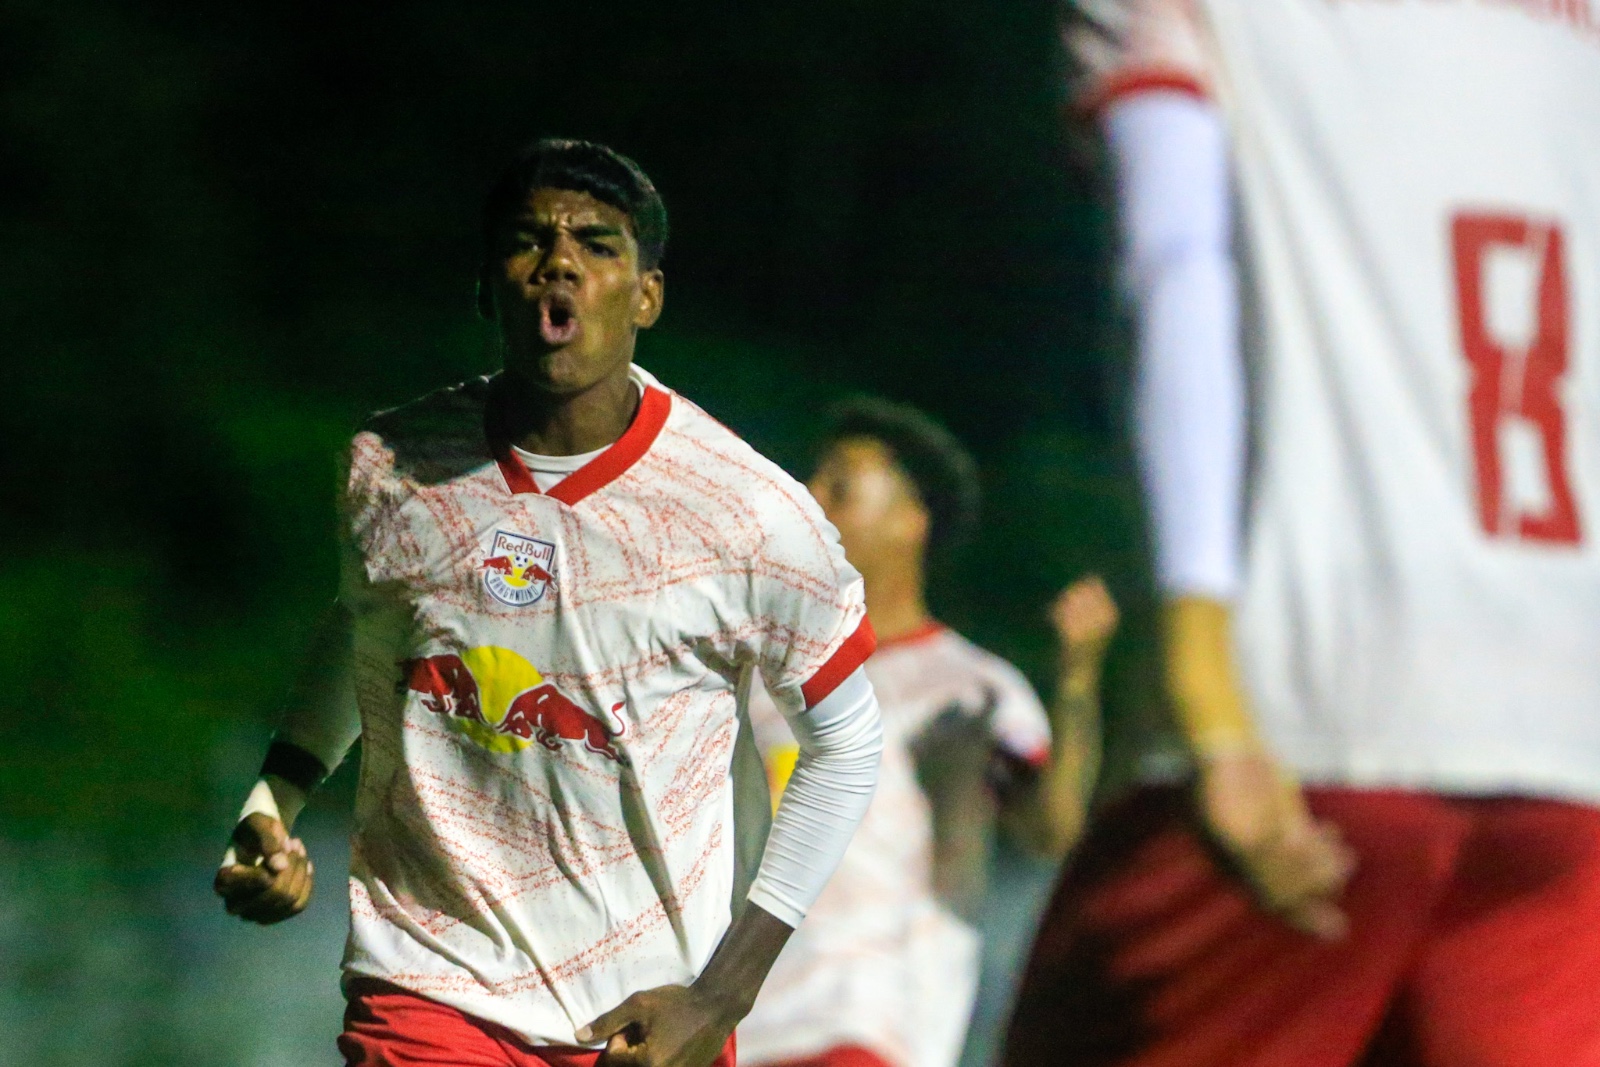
(1126, 46)
(433, 438)
(719, 458)
(980, 663)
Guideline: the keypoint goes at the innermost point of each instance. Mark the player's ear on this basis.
(485, 294)
(652, 295)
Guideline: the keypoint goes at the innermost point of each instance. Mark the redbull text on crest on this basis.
(518, 569)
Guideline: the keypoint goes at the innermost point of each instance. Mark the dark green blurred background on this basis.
(229, 231)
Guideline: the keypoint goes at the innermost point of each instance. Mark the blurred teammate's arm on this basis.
(1048, 812)
(266, 875)
(1170, 153)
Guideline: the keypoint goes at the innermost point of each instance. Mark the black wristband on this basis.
(294, 765)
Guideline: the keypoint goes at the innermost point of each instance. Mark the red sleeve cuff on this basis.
(841, 665)
(1137, 82)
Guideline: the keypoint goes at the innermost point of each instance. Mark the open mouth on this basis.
(558, 318)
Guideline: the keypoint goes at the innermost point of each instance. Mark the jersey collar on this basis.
(655, 404)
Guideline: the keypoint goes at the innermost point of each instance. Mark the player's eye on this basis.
(524, 241)
(600, 248)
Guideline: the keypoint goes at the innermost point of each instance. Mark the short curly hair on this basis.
(582, 166)
(940, 469)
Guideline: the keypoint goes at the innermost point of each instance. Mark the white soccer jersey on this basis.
(879, 962)
(549, 688)
(1420, 192)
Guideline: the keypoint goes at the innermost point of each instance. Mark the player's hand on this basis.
(1295, 865)
(954, 757)
(270, 876)
(1085, 619)
(669, 1026)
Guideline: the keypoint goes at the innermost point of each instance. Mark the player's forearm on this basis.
(1048, 818)
(841, 739)
(1201, 678)
(320, 723)
(743, 959)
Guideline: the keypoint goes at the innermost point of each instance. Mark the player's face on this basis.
(875, 507)
(568, 291)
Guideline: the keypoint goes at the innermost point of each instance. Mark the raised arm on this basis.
(1045, 806)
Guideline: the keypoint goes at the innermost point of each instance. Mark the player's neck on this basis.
(570, 424)
(895, 604)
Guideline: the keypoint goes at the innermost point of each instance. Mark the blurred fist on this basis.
(267, 875)
(1295, 865)
(1085, 618)
(954, 756)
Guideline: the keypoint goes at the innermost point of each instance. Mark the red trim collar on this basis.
(654, 406)
(930, 629)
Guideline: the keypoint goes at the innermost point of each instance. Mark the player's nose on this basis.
(561, 263)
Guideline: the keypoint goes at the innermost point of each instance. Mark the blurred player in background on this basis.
(1403, 611)
(558, 582)
(885, 970)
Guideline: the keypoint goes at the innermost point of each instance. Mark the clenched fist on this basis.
(267, 876)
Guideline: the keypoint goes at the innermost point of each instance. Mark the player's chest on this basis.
(608, 580)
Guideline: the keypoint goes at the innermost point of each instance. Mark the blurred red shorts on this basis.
(1475, 942)
(384, 1026)
(843, 1056)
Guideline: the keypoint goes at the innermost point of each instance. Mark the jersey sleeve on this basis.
(1021, 726)
(1121, 48)
(810, 630)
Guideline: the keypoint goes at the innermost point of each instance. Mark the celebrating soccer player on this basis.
(1414, 601)
(558, 583)
(884, 972)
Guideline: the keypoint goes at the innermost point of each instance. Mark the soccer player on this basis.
(558, 583)
(1405, 616)
(884, 972)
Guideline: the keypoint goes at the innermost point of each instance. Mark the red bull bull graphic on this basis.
(447, 687)
(518, 569)
(550, 718)
(498, 699)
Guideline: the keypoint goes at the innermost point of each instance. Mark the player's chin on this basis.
(561, 370)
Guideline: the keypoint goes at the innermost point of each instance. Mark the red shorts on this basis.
(1474, 942)
(843, 1056)
(385, 1026)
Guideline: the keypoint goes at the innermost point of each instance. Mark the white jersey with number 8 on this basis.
(1419, 183)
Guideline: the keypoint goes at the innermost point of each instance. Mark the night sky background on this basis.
(227, 232)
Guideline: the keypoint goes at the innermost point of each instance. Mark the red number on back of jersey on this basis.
(1511, 288)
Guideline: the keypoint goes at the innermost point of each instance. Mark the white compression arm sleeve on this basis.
(840, 740)
(321, 719)
(1170, 153)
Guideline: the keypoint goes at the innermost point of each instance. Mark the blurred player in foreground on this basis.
(558, 582)
(884, 972)
(1414, 599)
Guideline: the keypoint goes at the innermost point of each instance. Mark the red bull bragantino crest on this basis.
(518, 569)
(498, 699)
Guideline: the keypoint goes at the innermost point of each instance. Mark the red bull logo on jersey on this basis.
(498, 699)
(518, 569)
